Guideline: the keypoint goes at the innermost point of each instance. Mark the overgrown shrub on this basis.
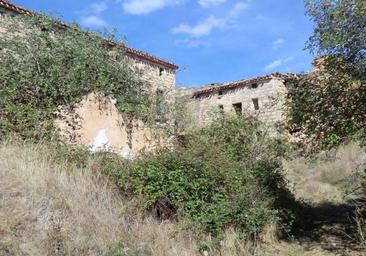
(328, 105)
(226, 174)
(45, 65)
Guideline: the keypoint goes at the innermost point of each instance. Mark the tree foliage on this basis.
(340, 29)
(328, 104)
(45, 65)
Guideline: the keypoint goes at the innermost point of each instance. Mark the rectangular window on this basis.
(221, 93)
(255, 103)
(161, 71)
(238, 108)
(221, 108)
(254, 86)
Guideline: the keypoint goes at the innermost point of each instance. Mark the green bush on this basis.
(228, 174)
(44, 66)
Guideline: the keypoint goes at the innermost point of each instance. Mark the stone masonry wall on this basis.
(159, 78)
(270, 95)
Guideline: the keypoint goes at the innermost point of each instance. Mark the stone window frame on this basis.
(238, 108)
(255, 102)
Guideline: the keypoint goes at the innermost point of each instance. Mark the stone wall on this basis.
(270, 95)
(96, 123)
(159, 77)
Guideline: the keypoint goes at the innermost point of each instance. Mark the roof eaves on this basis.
(244, 82)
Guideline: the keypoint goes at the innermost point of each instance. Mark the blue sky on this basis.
(211, 40)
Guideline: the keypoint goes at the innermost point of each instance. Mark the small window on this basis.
(161, 71)
(238, 108)
(221, 107)
(254, 86)
(255, 103)
(221, 93)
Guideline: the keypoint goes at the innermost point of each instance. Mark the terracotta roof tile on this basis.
(129, 51)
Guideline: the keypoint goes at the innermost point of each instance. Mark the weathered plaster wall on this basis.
(95, 122)
(270, 94)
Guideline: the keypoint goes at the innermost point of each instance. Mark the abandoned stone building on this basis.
(95, 121)
(264, 96)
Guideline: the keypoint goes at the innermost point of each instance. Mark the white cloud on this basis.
(191, 43)
(238, 8)
(93, 22)
(278, 43)
(203, 28)
(139, 7)
(278, 63)
(98, 8)
(208, 3)
(273, 65)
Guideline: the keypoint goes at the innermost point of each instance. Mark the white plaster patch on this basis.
(100, 142)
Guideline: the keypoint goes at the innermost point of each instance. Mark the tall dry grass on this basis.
(56, 209)
(327, 176)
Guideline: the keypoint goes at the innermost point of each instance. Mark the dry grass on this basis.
(50, 209)
(326, 177)
(57, 209)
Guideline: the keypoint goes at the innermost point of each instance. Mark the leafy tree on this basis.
(45, 65)
(328, 104)
(340, 30)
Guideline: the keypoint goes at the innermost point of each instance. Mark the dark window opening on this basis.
(161, 70)
(255, 103)
(254, 86)
(221, 108)
(238, 108)
(221, 93)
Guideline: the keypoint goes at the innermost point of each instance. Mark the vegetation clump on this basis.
(328, 104)
(45, 65)
(227, 174)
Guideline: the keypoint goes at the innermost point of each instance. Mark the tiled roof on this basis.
(244, 82)
(133, 53)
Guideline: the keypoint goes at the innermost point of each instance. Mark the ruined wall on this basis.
(270, 95)
(159, 78)
(96, 123)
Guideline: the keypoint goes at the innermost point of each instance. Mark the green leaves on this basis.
(228, 174)
(44, 66)
(340, 29)
(328, 105)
